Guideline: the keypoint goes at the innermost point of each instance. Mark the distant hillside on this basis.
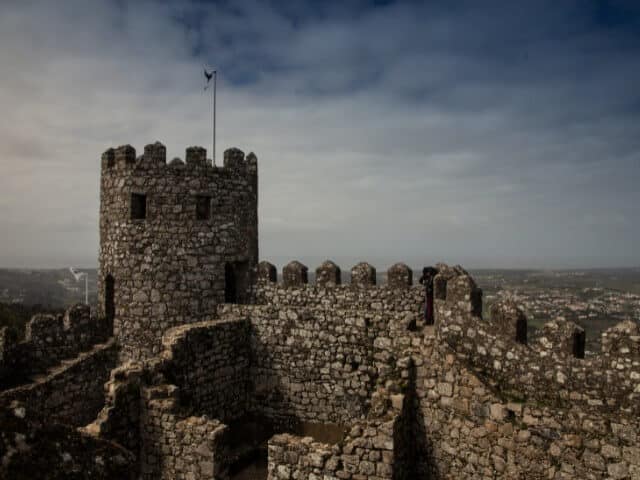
(53, 289)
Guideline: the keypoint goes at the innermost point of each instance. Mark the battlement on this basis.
(123, 160)
(549, 368)
(50, 339)
(329, 275)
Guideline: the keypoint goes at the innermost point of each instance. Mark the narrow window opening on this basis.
(236, 282)
(203, 207)
(138, 206)
(230, 292)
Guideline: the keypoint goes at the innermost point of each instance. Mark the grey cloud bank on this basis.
(501, 135)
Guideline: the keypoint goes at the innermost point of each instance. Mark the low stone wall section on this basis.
(369, 450)
(175, 447)
(34, 449)
(71, 393)
(209, 363)
(49, 339)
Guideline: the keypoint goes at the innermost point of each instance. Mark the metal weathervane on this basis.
(208, 75)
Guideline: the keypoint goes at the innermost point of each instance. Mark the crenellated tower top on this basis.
(176, 239)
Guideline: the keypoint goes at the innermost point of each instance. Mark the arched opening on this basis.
(230, 284)
(109, 300)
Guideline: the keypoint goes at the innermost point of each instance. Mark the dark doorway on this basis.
(230, 284)
(236, 282)
(109, 300)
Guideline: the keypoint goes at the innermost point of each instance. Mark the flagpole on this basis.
(215, 75)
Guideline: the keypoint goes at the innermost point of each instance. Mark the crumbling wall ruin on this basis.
(33, 448)
(49, 339)
(60, 368)
(176, 446)
(209, 363)
(71, 393)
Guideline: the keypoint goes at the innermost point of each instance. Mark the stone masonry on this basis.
(168, 235)
(199, 361)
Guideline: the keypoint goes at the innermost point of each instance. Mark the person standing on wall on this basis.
(428, 274)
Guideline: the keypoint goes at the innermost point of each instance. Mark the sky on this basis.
(494, 134)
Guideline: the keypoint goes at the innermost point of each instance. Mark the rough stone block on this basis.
(267, 272)
(196, 156)
(510, 320)
(155, 154)
(294, 274)
(399, 275)
(328, 274)
(233, 158)
(363, 275)
(564, 337)
(125, 156)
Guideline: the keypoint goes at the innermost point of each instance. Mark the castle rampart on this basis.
(72, 392)
(49, 339)
(467, 397)
(547, 411)
(335, 380)
(36, 448)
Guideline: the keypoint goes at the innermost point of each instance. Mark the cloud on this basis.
(495, 134)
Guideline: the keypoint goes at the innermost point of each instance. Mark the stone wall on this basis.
(175, 447)
(34, 449)
(53, 338)
(49, 339)
(397, 296)
(119, 419)
(494, 405)
(198, 233)
(8, 357)
(71, 393)
(176, 430)
(209, 363)
(484, 400)
(315, 365)
(369, 450)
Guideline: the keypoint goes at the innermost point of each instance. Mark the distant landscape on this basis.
(596, 298)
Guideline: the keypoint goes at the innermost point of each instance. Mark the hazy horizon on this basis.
(493, 135)
(380, 265)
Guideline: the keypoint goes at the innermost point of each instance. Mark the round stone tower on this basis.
(175, 240)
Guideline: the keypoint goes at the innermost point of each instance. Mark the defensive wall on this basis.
(218, 363)
(52, 383)
(487, 401)
(385, 395)
(59, 368)
(32, 448)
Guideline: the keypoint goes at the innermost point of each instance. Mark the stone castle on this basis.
(200, 364)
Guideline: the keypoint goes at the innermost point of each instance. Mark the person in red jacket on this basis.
(428, 274)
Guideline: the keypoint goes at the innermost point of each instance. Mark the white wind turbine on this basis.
(78, 275)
